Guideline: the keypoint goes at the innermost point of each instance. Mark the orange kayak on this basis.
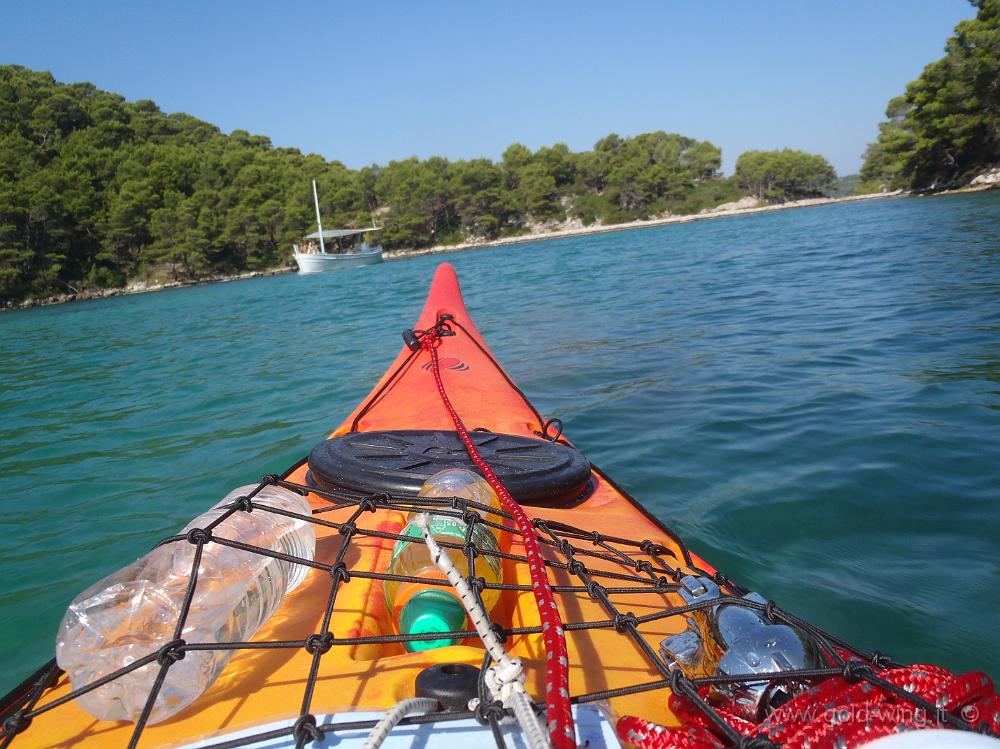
(616, 570)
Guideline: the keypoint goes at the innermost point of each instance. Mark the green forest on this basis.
(96, 191)
(946, 126)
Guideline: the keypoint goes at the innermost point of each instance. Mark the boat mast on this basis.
(319, 223)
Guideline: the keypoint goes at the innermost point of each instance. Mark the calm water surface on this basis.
(811, 398)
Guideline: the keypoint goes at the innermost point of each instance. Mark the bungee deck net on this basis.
(608, 570)
(642, 567)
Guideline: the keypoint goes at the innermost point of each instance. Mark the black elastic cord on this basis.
(370, 403)
(650, 573)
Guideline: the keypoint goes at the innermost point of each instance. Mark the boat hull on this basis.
(319, 263)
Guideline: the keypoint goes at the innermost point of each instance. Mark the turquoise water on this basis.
(811, 398)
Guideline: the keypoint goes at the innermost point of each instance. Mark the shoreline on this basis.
(988, 180)
(581, 231)
(140, 287)
(725, 211)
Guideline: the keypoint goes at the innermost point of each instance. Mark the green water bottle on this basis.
(422, 608)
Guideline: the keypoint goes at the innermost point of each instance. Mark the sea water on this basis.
(811, 398)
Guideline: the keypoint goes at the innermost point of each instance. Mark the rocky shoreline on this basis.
(574, 228)
(543, 232)
(138, 287)
(986, 181)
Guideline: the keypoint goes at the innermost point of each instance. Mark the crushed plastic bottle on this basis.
(134, 611)
(419, 608)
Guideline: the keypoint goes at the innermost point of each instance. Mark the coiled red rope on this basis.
(836, 713)
(560, 715)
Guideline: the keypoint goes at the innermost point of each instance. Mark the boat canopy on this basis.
(337, 233)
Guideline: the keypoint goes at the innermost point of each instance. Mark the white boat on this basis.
(316, 261)
(314, 255)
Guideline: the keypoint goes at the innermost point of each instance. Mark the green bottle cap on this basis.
(431, 611)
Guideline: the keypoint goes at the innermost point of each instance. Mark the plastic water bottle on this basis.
(418, 608)
(133, 612)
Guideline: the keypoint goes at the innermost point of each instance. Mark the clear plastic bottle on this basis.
(133, 612)
(418, 608)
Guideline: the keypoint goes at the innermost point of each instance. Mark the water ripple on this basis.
(812, 398)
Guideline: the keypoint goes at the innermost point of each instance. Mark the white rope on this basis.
(505, 678)
(391, 719)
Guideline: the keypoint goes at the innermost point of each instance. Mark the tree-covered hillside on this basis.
(946, 127)
(96, 191)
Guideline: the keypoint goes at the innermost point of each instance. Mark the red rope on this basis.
(560, 716)
(649, 735)
(836, 713)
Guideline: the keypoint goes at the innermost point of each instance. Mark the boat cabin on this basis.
(337, 242)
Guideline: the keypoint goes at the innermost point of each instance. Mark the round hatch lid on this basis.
(535, 471)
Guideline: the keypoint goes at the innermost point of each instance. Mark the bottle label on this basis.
(445, 528)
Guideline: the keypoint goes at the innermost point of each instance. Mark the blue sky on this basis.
(368, 83)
